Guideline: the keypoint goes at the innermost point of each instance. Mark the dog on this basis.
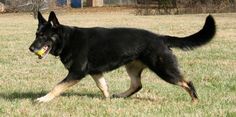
(93, 51)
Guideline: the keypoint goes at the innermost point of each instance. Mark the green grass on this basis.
(212, 68)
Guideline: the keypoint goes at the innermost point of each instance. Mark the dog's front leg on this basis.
(70, 80)
(101, 84)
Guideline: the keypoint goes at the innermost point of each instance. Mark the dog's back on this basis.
(111, 48)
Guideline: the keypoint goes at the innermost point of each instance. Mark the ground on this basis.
(211, 68)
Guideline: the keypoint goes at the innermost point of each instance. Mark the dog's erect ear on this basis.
(53, 18)
(40, 18)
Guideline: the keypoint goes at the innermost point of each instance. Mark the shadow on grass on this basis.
(146, 99)
(21, 95)
(33, 95)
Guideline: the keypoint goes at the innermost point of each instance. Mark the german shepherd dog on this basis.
(97, 50)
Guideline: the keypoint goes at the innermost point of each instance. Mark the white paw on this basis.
(45, 98)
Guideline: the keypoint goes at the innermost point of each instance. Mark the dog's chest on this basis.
(67, 60)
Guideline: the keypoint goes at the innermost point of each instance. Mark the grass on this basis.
(23, 77)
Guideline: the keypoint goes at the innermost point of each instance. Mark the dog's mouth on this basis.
(43, 52)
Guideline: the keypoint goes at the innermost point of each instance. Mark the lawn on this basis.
(212, 68)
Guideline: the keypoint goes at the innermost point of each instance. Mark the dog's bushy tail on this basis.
(200, 38)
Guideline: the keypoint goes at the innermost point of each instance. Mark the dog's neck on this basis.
(65, 54)
(63, 39)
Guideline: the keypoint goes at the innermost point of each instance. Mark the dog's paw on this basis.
(44, 99)
(194, 101)
(106, 98)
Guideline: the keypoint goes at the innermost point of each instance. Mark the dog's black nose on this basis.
(31, 48)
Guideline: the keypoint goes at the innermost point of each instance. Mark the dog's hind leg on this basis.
(101, 84)
(134, 70)
(69, 81)
(165, 66)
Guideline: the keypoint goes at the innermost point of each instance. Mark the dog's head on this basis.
(48, 39)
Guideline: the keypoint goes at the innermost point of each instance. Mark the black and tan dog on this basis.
(97, 50)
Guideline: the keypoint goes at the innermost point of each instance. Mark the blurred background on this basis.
(142, 7)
